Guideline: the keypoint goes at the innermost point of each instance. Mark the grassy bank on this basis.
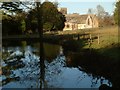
(101, 58)
(96, 64)
(80, 39)
(108, 38)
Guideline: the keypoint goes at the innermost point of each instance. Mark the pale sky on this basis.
(79, 6)
(82, 6)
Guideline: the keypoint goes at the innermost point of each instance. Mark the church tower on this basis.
(63, 10)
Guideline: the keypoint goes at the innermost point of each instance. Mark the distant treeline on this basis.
(21, 20)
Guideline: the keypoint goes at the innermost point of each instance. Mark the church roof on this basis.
(76, 18)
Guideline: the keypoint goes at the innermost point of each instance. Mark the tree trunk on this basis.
(40, 29)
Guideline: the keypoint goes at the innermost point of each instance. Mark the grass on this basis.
(99, 59)
(108, 40)
(107, 36)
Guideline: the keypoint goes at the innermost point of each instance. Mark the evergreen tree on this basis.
(117, 13)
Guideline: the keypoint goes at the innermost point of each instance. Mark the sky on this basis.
(81, 7)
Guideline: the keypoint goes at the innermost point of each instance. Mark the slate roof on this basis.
(76, 18)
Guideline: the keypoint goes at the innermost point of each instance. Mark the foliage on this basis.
(117, 12)
(13, 18)
(100, 11)
(108, 20)
(104, 18)
(18, 21)
(31, 20)
(51, 18)
(23, 25)
(90, 11)
(47, 26)
(49, 14)
(11, 7)
(11, 25)
(56, 3)
(60, 21)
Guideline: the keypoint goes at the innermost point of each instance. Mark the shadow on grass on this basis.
(105, 63)
(73, 45)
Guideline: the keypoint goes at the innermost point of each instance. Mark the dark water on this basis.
(20, 68)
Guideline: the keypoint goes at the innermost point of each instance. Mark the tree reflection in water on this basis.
(56, 73)
(42, 66)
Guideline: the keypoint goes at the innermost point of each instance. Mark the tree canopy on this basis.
(12, 25)
(51, 18)
(13, 17)
(11, 7)
(16, 18)
(104, 18)
(117, 13)
(100, 11)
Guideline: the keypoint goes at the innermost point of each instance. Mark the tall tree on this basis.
(31, 20)
(108, 20)
(56, 3)
(59, 25)
(117, 12)
(90, 11)
(100, 11)
(52, 16)
(12, 25)
(40, 29)
(50, 12)
(13, 15)
(52, 19)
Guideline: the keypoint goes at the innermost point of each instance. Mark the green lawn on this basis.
(108, 40)
(107, 36)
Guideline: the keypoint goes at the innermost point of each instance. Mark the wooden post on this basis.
(90, 38)
(98, 38)
(89, 41)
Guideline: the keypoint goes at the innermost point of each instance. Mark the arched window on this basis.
(88, 21)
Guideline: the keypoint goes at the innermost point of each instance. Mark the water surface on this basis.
(21, 68)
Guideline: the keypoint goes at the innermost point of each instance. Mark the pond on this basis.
(21, 68)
